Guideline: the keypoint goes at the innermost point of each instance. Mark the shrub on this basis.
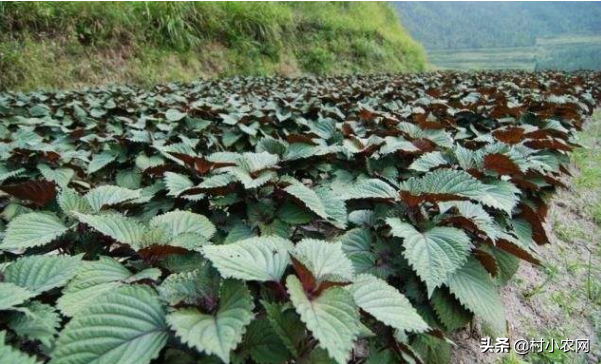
(275, 220)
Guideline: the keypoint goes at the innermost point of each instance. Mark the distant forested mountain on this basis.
(452, 25)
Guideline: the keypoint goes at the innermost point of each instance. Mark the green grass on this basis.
(557, 356)
(588, 160)
(71, 44)
(512, 358)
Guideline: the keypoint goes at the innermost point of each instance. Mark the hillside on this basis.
(507, 35)
(440, 25)
(68, 44)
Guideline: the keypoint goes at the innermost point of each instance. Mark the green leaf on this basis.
(152, 274)
(523, 231)
(6, 174)
(103, 270)
(433, 254)
(254, 169)
(178, 356)
(385, 356)
(62, 176)
(325, 260)
(40, 273)
(137, 330)
(394, 144)
(356, 242)
(217, 181)
(467, 158)
(428, 161)
(255, 259)
(183, 263)
(177, 183)
(40, 322)
(357, 246)
(190, 287)
(475, 289)
(256, 162)
(449, 311)
(181, 222)
(446, 182)
(189, 241)
(123, 229)
(335, 207)
(221, 332)
(92, 280)
(309, 197)
(156, 235)
(143, 162)
(175, 115)
(262, 344)
(10, 355)
(332, 318)
(276, 228)
(298, 151)
(131, 179)
(74, 301)
(386, 304)
(476, 213)
(293, 214)
(372, 188)
(32, 229)
(508, 264)
(322, 202)
(287, 324)
(100, 161)
(501, 195)
(12, 295)
(432, 350)
(70, 201)
(11, 211)
(238, 232)
(102, 196)
(320, 356)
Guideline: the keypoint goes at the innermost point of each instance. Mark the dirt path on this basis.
(562, 298)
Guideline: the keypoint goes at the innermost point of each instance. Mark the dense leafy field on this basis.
(271, 220)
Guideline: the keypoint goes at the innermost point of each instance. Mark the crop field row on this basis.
(517, 58)
(351, 219)
(565, 52)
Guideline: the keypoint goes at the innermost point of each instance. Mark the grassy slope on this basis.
(68, 44)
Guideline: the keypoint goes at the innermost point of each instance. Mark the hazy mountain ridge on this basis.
(446, 25)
